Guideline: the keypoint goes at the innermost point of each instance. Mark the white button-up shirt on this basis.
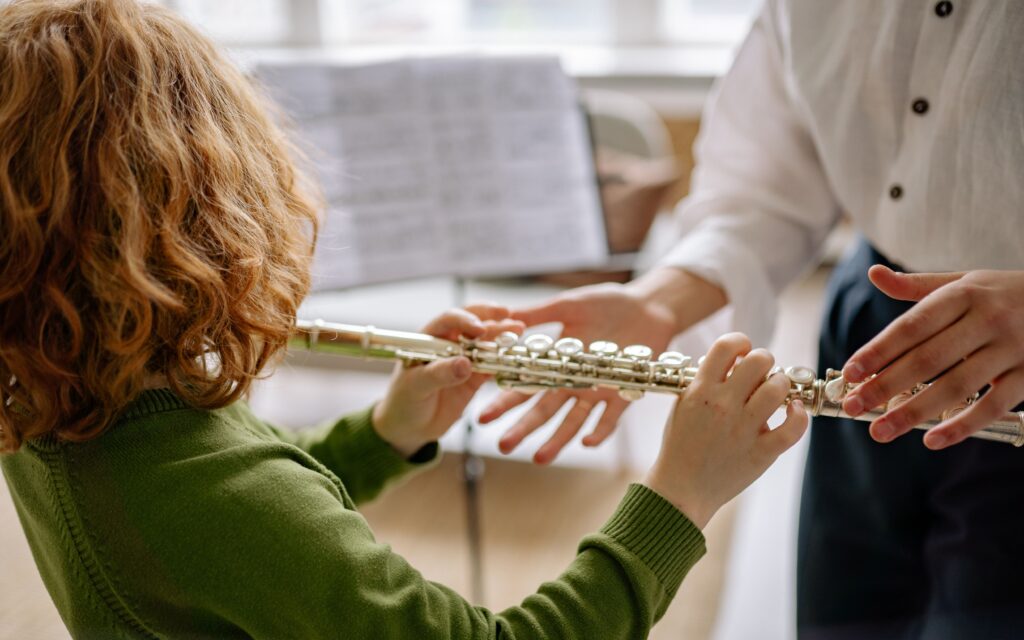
(908, 116)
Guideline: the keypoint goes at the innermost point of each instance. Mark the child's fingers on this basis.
(472, 385)
(453, 323)
(498, 327)
(748, 375)
(438, 375)
(722, 356)
(784, 436)
(488, 311)
(769, 396)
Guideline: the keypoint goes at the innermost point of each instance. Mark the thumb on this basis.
(551, 311)
(441, 374)
(909, 286)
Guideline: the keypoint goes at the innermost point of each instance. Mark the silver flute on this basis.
(538, 362)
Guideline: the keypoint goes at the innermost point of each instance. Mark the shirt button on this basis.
(944, 8)
(920, 106)
(895, 192)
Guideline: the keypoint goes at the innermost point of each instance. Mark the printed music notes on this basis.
(458, 165)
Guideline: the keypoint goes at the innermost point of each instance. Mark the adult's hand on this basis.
(648, 311)
(965, 332)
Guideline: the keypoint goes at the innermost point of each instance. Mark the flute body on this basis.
(537, 363)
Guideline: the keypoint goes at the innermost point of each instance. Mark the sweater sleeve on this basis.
(352, 450)
(282, 557)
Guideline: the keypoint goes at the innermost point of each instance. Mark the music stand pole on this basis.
(472, 475)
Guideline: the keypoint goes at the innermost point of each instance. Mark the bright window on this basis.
(707, 21)
(469, 21)
(473, 22)
(239, 21)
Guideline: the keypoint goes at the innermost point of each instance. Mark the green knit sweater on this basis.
(180, 522)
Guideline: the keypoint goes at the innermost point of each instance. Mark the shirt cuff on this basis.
(732, 266)
(658, 533)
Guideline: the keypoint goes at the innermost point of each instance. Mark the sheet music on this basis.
(455, 165)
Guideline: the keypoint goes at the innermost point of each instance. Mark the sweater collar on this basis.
(147, 403)
(151, 401)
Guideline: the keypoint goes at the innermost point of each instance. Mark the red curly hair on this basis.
(154, 219)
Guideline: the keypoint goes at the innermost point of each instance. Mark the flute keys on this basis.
(801, 375)
(835, 390)
(672, 360)
(538, 343)
(604, 348)
(949, 414)
(899, 399)
(631, 394)
(638, 352)
(507, 340)
(569, 347)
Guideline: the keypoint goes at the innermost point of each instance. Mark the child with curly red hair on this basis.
(155, 242)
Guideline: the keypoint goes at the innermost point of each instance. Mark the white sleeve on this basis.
(760, 204)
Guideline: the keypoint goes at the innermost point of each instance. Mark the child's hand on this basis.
(717, 441)
(424, 401)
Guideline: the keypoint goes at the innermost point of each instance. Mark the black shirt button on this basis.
(920, 106)
(944, 8)
(895, 192)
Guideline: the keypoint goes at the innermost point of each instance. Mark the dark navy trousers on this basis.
(897, 541)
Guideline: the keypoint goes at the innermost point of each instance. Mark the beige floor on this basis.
(532, 520)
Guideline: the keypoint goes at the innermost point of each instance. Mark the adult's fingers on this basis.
(613, 410)
(1006, 392)
(909, 286)
(749, 373)
(453, 323)
(571, 425)
(950, 390)
(538, 415)
(925, 319)
(924, 362)
(722, 356)
(505, 401)
(784, 436)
